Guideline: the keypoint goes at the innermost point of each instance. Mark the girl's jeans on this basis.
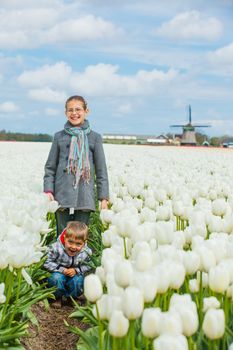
(63, 217)
(66, 286)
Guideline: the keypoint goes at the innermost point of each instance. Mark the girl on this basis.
(75, 161)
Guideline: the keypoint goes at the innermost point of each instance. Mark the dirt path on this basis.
(52, 333)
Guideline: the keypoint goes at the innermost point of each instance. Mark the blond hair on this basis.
(77, 229)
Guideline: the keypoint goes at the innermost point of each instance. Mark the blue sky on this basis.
(138, 64)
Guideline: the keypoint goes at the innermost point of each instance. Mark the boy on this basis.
(67, 261)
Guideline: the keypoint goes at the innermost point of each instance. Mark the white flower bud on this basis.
(214, 323)
(2, 296)
(210, 303)
(193, 286)
(118, 324)
(169, 342)
(219, 279)
(133, 303)
(93, 289)
(151, 320)
(123, 273)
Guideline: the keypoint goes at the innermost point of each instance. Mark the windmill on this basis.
(189, 136)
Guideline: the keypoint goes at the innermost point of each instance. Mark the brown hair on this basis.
(78, 98)
(77, 229)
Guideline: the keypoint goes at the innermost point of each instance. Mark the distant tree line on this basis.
(214, 140)
(17, 136)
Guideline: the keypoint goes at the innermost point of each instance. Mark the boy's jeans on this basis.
(66, 286)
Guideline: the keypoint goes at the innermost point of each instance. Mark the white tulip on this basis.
(204, 277)
(93, 289)
(169, 342)
(207, 258)
(107, 238)
(163, 213)
(219, 279)
(210, 303)
(178, 208)
(2, 296)
(164, 232)
(52, 206)
(106, 305)
(171, 323)
(118, 325)
(138, 247)
(219, 207)
(132, 303)
(214, 324)
(123, 273)
(143, 261)
(194, 286)
(191, 262)
(162, 275)
(147, 283)
(151, 203)
(106, 215)
(177, 275)
(147, 215)
(187, 310)
(112, 287)
(160, 195)
(179, 239)
(151, 321)
(99, 271)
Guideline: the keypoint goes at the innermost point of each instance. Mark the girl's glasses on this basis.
(74, 110)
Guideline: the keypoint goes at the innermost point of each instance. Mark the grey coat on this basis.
(57, 181)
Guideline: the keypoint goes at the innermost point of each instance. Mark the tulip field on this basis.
(164, 276)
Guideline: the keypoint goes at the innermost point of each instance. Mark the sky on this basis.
(138, 64)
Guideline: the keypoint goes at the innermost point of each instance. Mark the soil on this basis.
(52, 333)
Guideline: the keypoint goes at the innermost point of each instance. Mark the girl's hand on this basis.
(50, 196)
(104, 204)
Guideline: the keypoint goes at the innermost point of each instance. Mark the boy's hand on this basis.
(69, 272)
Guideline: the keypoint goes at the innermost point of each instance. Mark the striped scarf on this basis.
(78, 161)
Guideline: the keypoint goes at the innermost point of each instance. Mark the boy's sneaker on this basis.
(56, 304)
(81, 299)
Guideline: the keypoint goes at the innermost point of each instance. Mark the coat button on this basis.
(67, 146)
(67, 158)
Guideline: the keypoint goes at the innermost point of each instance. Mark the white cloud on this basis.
(124, 108)
(85, 28)
(35, 27)
(8, 107)
(48, 95)
(52, 111)
(47, 75)
(102, 79)
(222, 60)
(191, 25)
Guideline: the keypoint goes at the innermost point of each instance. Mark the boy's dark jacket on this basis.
(58, 259)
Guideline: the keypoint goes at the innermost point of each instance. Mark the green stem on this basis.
(9, 285)
(200, 300)
(114, 343)
(19, 281)
(132, 342)
(125, 248)
(99, 328)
